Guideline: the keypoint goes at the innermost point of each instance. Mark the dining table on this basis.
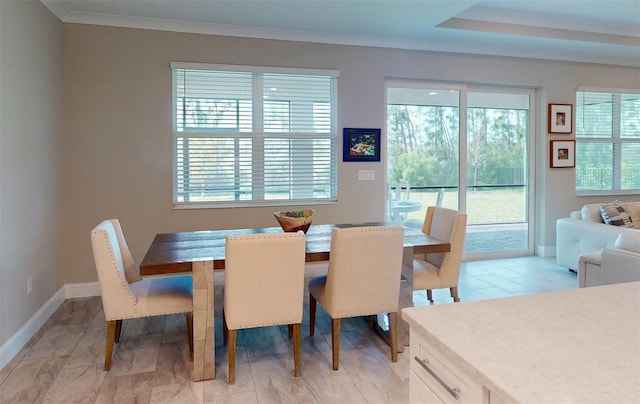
(203, 252)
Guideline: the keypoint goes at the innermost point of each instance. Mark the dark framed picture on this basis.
(560, 118)
(360, 144)
(563, 153)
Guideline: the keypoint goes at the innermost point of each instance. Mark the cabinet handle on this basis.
(425, 364)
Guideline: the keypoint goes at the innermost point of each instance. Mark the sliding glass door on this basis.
(464, 148)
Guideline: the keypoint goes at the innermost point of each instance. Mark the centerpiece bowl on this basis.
(292, 221)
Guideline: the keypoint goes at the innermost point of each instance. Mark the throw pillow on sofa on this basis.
(629, 240)
(615, 214)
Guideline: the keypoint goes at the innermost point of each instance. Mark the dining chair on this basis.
(441, 270)
(126, 295)
(263, 286)
(363, 279)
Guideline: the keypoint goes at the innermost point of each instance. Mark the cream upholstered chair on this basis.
(263, 286)
(442, 270)
(125, 294)
(363, 279)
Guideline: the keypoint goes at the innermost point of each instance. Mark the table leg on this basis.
(405, 300)
(406, 297)
(203, 321)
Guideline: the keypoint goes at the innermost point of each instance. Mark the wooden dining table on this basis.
(203, 252)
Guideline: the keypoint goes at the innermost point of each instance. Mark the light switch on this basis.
(366, 175)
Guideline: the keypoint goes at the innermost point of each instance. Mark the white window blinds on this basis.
(253, 137)
(607, 141)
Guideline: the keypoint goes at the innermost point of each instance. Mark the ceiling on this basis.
(593, 31)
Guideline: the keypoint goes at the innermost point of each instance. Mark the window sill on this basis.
(617, 193)
(250, 204)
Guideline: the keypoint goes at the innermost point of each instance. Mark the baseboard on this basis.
(89, 289)
(546, 251)
(18, 340)
(316, 268)
(86, 289)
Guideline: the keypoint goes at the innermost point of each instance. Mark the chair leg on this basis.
(290, 329)
(296, 349)
(429, 295)
(454, 293)
(118, 330)
(393, 335)
(225, 330)
(232, 356)
(189, 316)
(312, 314)
(335, 341)
(111, 336)
(372, 322)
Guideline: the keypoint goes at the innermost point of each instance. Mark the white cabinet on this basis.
(494, 351)
(435, 379)
(419, 392)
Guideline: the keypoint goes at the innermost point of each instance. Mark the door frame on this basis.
(463, 91)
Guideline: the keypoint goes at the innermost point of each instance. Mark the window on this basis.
(251, 136)
(607, 142)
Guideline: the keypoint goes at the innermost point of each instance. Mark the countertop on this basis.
(575, 346)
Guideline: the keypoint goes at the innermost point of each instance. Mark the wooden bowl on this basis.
(292, 221)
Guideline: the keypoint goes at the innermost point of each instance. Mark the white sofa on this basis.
(617, 264)
(584, 231)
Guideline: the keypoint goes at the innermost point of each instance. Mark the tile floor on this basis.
(63, 362)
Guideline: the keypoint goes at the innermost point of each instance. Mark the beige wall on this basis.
(31, 229)
(118, 125)
(116, 143)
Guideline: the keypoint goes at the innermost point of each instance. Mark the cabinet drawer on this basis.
(442, 377)
(420, 393)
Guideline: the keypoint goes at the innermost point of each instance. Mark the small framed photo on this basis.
(563, 153)
(361, 144)
(560, 118)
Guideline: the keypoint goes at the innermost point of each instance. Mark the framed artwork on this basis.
(560, 118)
(563, 153)
(360, 144)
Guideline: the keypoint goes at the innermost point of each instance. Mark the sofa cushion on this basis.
(591, 213)
(628, 240)
(615, 214)
(633, 207)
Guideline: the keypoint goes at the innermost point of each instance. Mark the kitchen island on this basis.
(575, 346)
